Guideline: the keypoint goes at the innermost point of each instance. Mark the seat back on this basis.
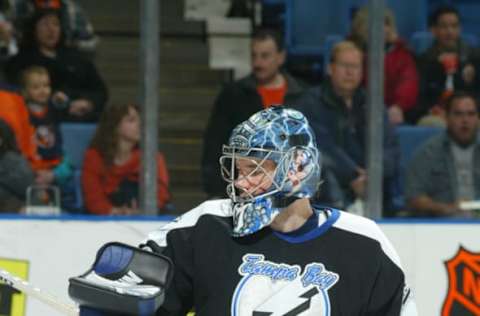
(410, 139)
(76, 138)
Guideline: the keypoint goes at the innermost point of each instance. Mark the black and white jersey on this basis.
(344, 265)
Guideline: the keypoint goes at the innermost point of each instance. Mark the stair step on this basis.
(183, 151)
(170, 76)
(118, 50)
(123, 16)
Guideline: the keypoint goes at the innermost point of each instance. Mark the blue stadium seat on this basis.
(421, 41)
(410, 15)
(76, 138)
(469, 11)
(410, 138)
(330, 41)
(308, 22)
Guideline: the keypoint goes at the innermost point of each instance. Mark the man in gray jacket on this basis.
(446, 169)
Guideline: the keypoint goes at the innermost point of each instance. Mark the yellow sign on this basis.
(12, 302)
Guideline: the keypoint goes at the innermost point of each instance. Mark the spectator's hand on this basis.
(59, 96)
(359, 184)
(60, 99)
(468, 74)
(395, 115)
(44, 177)
(80, 107)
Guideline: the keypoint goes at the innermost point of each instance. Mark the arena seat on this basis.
(410, 138)
(410, 16)
(308, 22)
(76, 138)
(330, 41)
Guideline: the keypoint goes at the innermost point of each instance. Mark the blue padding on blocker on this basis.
(146, 307)
(113, 259)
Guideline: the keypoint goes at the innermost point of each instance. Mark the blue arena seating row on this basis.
(310, 25)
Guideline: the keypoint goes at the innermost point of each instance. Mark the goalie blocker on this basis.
(123, 280)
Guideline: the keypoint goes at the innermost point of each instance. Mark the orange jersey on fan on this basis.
(14, 112)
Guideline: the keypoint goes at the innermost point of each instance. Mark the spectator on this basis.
(267, 85)
(77, 29)
(51, 167)
(15, 172)
(79, 93)
(112, 165)
(444, 171)
(401, 77)
(14, 112)
(449, 64)
(336, 112)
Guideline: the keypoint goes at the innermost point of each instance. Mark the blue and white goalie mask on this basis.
(271, 160)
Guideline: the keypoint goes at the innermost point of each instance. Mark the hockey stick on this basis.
(45, 297)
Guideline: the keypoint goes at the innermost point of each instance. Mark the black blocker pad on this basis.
(124, 280)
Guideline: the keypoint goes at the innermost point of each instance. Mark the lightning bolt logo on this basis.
(271, 289)
(283, 304)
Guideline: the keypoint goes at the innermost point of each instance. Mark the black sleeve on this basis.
(432, 84)
(179, 296)
(387, 293)
(92, 88)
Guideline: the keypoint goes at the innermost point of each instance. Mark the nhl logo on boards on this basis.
(463, 296)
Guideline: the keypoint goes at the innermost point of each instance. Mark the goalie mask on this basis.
(270, 161)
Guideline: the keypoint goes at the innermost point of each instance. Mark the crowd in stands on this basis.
(437, 88)
(49, 78)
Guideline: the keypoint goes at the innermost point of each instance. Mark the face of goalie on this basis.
(254, 176)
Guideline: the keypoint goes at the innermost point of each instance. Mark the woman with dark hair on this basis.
(15, 172)
(79, 93)
(112, 164)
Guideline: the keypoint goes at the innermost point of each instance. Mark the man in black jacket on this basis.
(336, 112)
(449, 65)
(265, 86)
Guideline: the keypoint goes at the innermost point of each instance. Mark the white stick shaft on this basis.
(45, 297)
